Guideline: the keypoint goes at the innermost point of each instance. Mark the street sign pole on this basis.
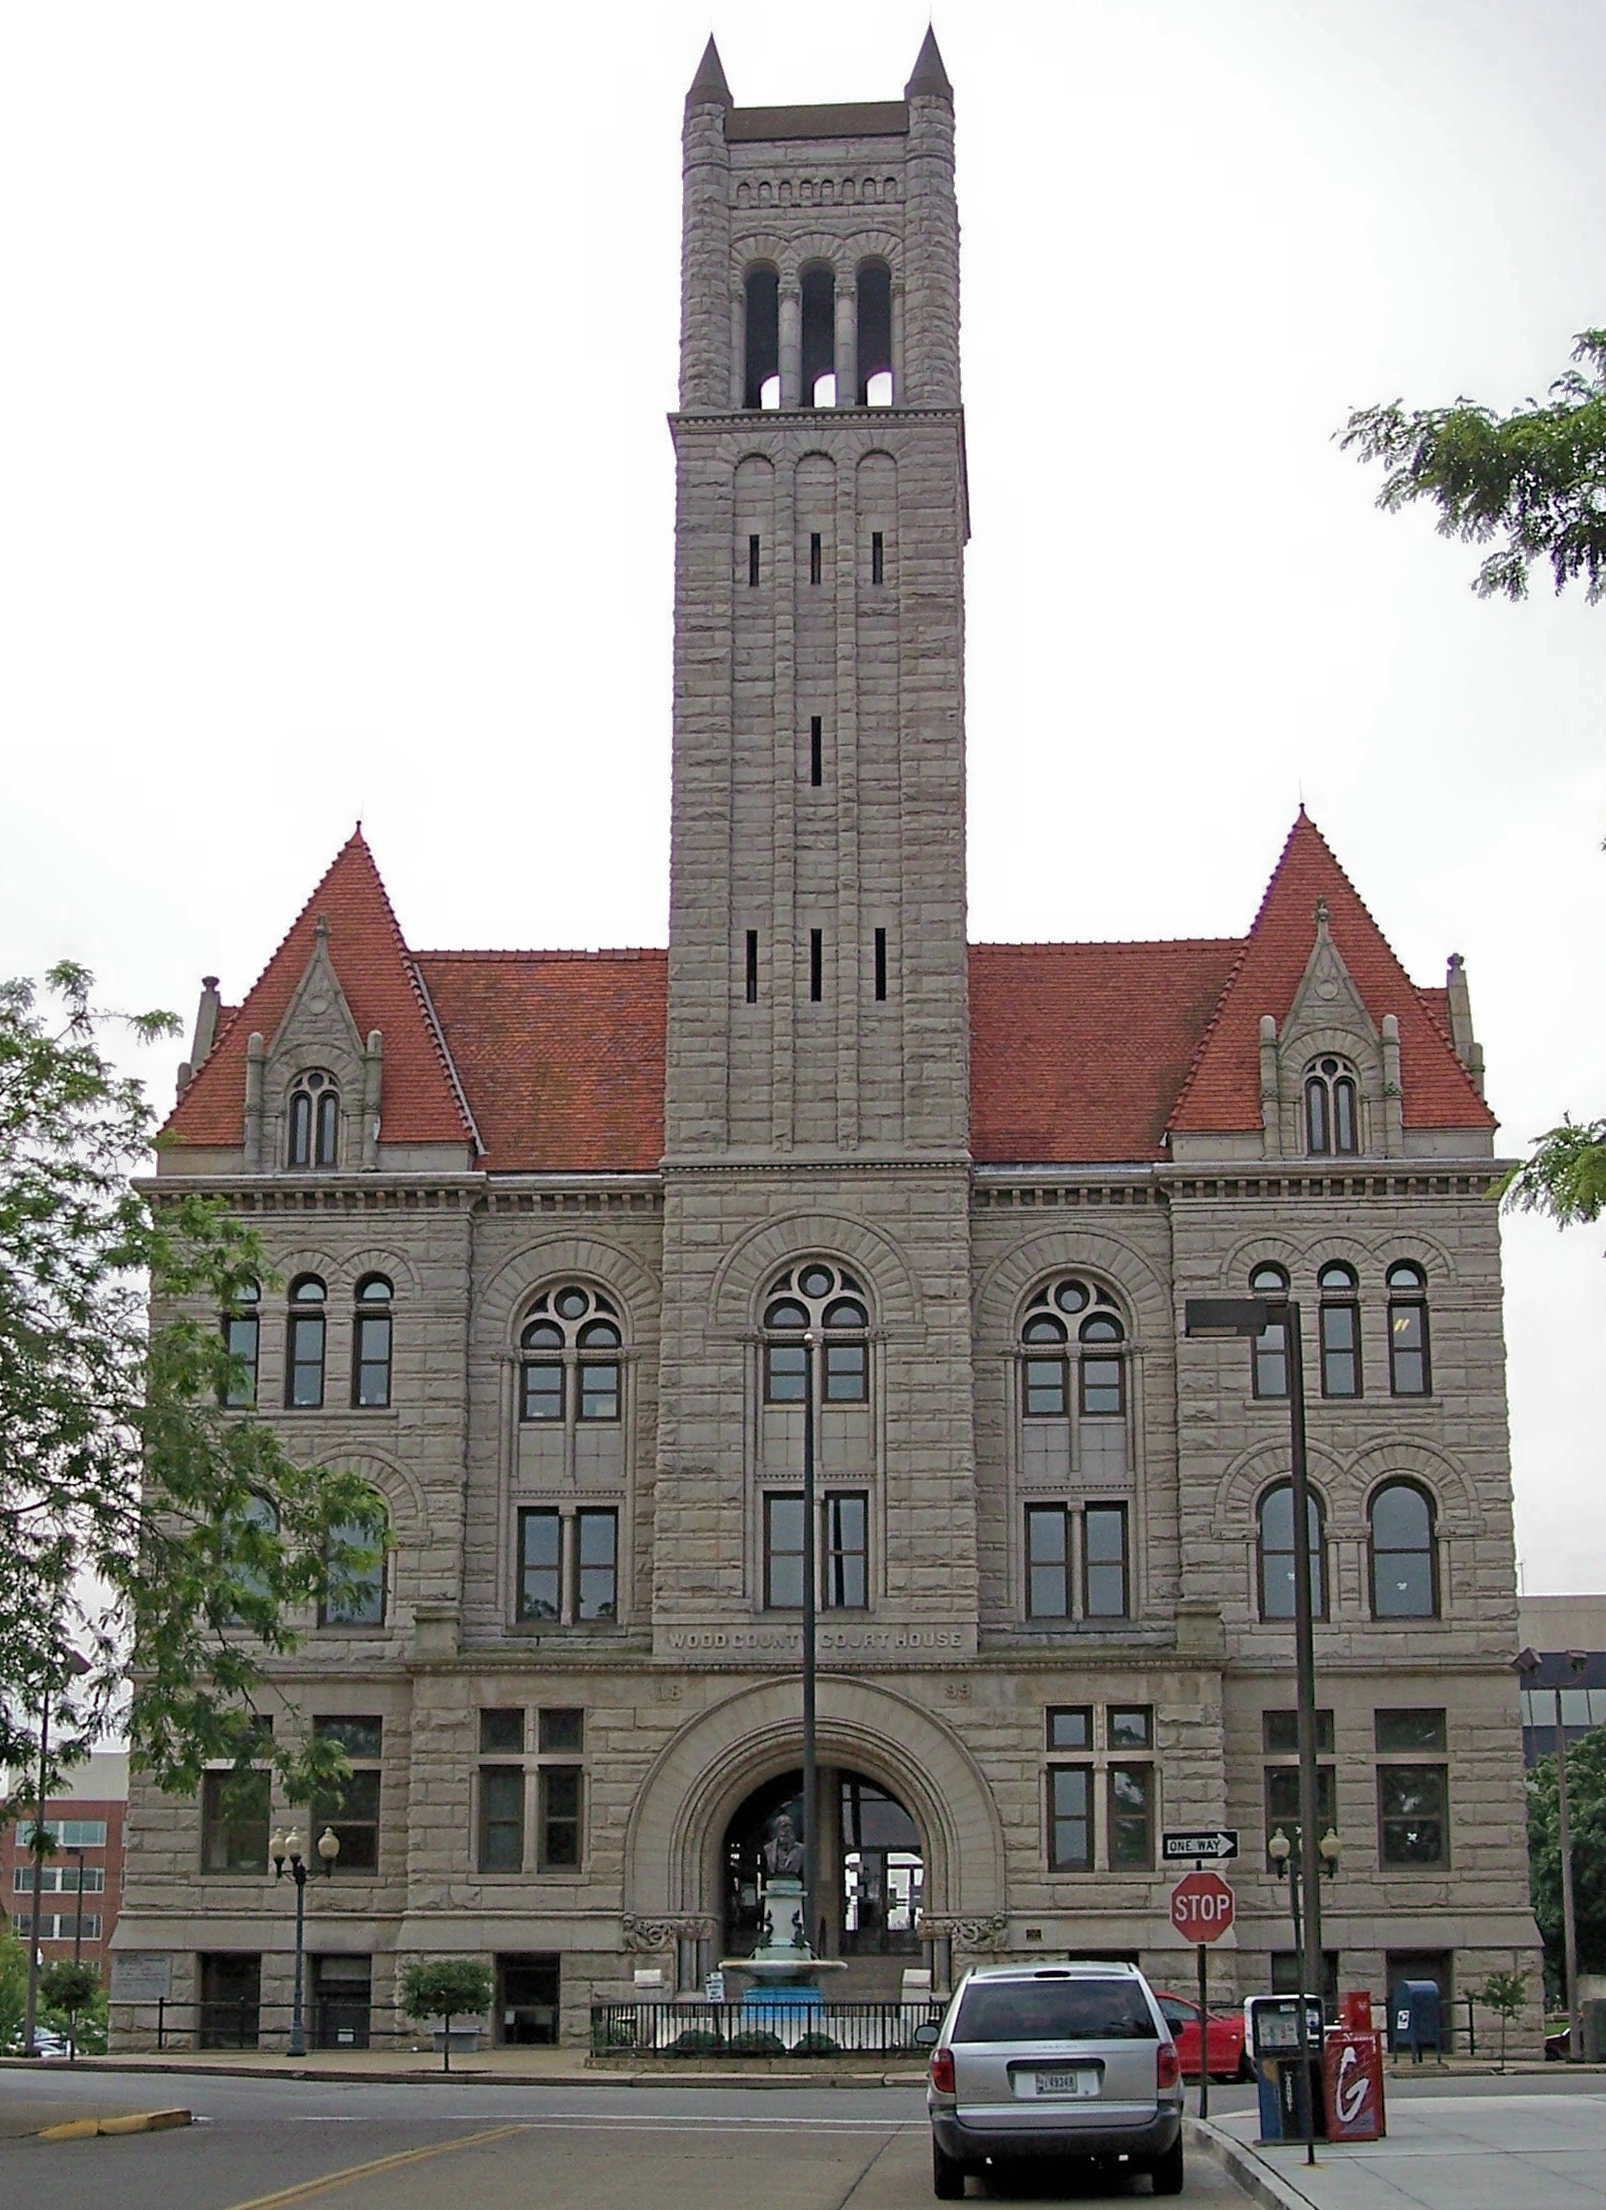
(1204, 2041)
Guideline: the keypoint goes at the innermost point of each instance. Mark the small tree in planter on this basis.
(69, 1987)
(445, 1988)
(1504, 1993)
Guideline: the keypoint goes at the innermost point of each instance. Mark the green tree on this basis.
(13, 1990)
(1504, 1993)
(69, 1990)
(1586, 1815)
(1566, 1176)
(1534, 478)
(138, 1517)
(445, 1988)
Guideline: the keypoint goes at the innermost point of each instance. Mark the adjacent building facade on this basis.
(81, 1879)
(553, 1227)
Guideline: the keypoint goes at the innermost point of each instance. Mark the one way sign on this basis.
(1192, 1844)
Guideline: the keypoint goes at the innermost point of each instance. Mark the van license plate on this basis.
(1083, 2081)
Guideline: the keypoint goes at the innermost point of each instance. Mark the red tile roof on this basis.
(1078, 1050)
(1223, 1088)
(561, 1053)
(421, 1101)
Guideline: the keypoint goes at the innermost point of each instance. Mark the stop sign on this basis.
(1201, 1906)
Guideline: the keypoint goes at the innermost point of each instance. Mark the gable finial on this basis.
(1323, 916)
(320, 928)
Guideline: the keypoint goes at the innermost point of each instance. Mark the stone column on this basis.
(791, 346)
(847, 344)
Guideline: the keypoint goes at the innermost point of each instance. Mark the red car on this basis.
(1224, 2033)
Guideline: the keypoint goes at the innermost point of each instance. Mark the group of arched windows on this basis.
(1402, 1551)
(307, 1343)
(1047, 1335)
(569, 1357)
(1332, 1108)
(819, 372)
(1338, 1330)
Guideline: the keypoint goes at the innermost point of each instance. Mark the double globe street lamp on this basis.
(285, 1849)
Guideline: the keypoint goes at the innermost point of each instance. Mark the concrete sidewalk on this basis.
(1442, 2152)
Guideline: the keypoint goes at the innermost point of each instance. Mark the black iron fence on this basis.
(242, 2023)
(769, 2027)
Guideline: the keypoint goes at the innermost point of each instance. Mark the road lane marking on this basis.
(310, 2187)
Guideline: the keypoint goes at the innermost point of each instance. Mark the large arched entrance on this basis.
(871, 1865)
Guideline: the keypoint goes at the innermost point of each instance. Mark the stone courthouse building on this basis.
(549, 1226)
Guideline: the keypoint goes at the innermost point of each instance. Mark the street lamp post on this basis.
(287, 1847)
(1250, 1317)
(811, 1774)
(1285, 1854)
(1527, 1664)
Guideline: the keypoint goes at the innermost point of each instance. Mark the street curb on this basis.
(1262, 2185)
(458, 2077)
(138, 2121)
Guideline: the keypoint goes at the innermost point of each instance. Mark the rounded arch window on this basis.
(308, 1289)
(1332, 1110)
(820, 1299)
(1073, 1301)
(242, 1338)
(305, 1344)
(1275, 1530)
(1339, 1329)
(761, 370)
(571, 1331)
(817, 285)
(874, 319)
(371, 1344)
(1404, 1562)
(1269, 1350)
(314, 1125)
(1410, 1369)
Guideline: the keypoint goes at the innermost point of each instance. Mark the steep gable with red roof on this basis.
(1222, 1093)
(421, 1103)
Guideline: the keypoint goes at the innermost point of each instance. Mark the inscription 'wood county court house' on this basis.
(550, 1225)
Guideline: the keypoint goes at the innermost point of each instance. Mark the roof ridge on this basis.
(1102, 943)
(514, 951)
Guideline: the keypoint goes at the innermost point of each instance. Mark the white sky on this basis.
(334, 482)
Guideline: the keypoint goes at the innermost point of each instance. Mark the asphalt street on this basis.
(271, 2143)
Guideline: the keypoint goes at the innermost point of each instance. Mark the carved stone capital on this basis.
(646, 1936)
(981, 1932)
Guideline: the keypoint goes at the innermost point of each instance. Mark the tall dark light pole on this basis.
(281, 1847)
(1250, 1317)
(811, 1775)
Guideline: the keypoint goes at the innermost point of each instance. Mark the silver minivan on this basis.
(1054, 2061)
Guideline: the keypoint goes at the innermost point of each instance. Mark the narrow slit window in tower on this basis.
(819, 335)
(761, 380)
(816, 753)
(878, 557)
(875, 335)
(816, 965)
(752, 966)
(815, 560)
(881, 964)
(752, 563)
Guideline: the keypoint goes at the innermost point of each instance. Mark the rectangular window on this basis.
(881, 965)
(303, 1378)
(816, 753)
(1044, 1388)
(1070, 1818)
(234, 1822)
(561, 1730)
(1279, 1733)
(1341, 1350)
(1070, 1727)
(502, 1731)
(543, 1390)
(540, 1565)
(847, 1520)
(1131, 1816)
(1282, 1803)
(1413, 1730)
(59, 1879)
(814, 557)
(599, 1389)
(1048, 1563)
(816, 965)
(57, 1925)
(1103, 1395)
(1413, 1815)
(501, 1818)
(1408, 1350)
(785, 1373)
(370, 1377)
(847, 1373)
(1130, 1726)
(355, 1596)
(352, 1807)
(1269, 1355)
(783, 1553)
(1104, 1593)
(752, 967)
(752, 562)
(878, 557)
(559, 1787)
(596, 1565)
(241, 1336)
(91, 1833)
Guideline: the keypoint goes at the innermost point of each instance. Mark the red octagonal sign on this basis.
(1201, 1906)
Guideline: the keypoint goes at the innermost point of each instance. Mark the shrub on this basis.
(696, 2041)
(816, 2045)
(756, 2041)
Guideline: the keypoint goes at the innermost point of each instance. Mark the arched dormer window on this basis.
(824, 1298)
(1269, 1351)
(571, 1331)
(818, 286)
(306, 1341)
(1410, 1372)
(761, 377)
(1275, 1546)
(875, 334)
(1332, 1109)
(1405, 1578)
(314, 1127)
(371, 1344)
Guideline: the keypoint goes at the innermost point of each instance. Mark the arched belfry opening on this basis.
(761, 386)
(872, 1864)
(875, 335)
(819, 335)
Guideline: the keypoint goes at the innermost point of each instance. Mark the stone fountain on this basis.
(784, 1969)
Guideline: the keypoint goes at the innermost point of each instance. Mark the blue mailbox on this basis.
(1416, 2018)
